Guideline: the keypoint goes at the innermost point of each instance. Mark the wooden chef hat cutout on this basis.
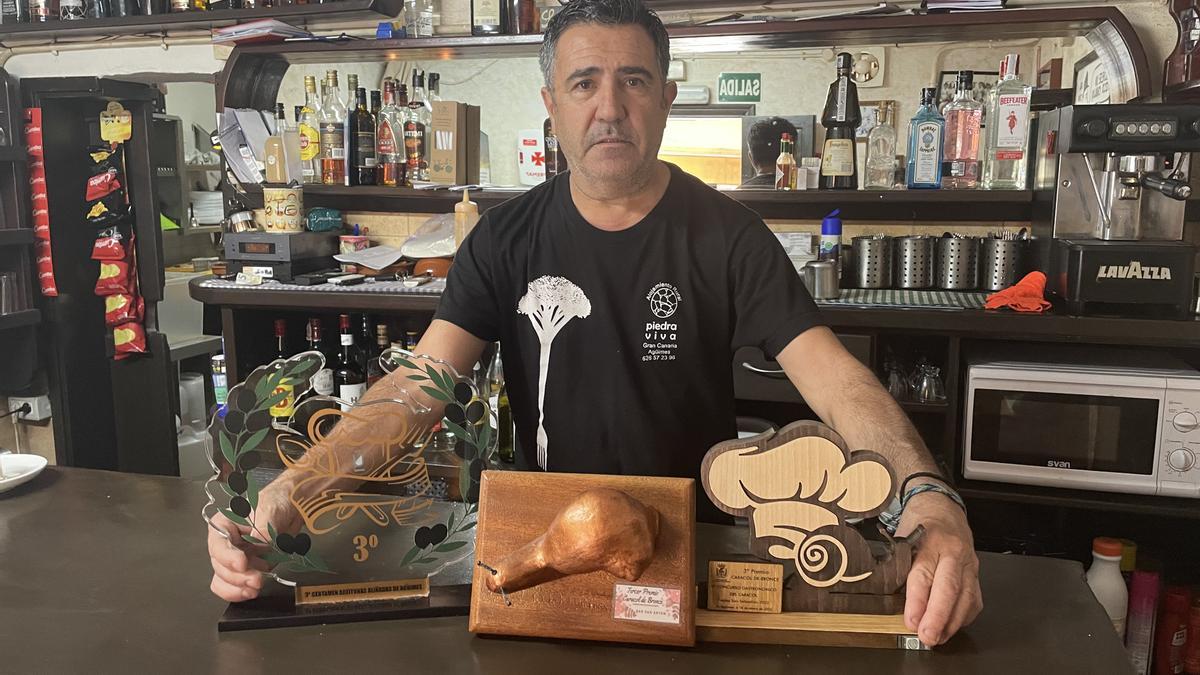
(798, 487)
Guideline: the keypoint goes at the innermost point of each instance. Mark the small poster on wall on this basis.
(1093, 86)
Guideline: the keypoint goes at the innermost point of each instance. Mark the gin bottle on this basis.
(926, 134)
(1008, 130)
(963, 116)
(881, 151)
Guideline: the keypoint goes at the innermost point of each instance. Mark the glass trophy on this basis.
(346, 502)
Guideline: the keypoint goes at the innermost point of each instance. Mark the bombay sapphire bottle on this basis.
(926, 134)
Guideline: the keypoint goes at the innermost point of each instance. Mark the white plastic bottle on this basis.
(1104, 576)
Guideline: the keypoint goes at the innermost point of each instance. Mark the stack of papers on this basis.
(799, 247)
(263, 30)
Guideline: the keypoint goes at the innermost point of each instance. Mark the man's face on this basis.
(609, 103)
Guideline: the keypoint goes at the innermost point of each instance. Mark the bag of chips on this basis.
(128, 339)
(114, 278)
(109, 210)
(103, 184)
(109, 245)
(123, 308)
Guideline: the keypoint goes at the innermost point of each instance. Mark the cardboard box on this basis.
(454, 153)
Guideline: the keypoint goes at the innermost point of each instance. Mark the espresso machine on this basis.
(1111, 187)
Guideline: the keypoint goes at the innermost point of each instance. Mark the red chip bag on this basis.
(128, 339)
(114, 278)
(108, 245)
(103, 184)
(122, 308)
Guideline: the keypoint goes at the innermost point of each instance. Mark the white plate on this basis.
(20, 469)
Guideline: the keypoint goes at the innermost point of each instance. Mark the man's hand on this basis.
(943, 584)
(237, 564)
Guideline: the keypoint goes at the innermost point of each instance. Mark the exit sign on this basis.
(739, 88)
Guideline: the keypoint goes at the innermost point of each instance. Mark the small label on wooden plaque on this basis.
(646, 603)
(362, 592)
(745, 587)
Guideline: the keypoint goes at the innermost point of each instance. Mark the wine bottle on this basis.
(839, 160)
(348, 377)
(361, 128)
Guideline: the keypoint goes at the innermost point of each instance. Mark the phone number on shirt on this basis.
(661, 351)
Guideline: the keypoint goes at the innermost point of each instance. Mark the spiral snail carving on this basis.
(816, 553)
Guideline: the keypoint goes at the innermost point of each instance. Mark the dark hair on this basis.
(606, 13)
(764, 139)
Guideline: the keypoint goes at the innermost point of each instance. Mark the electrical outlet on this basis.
(39, 407)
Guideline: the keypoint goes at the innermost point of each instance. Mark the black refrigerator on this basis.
(107, 414)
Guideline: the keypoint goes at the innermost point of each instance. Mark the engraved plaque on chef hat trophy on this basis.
(810, 572)
(383, 526)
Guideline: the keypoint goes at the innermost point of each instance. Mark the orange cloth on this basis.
(1027, 295)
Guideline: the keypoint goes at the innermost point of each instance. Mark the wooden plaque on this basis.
(745, 586)
(656, 608)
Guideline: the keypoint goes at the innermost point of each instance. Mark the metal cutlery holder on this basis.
(958, 263)
(913, 266)
(1000, 261)
(872, 261)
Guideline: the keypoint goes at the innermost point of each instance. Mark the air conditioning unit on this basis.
(692, 94)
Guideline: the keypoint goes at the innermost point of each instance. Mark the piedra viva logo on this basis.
(664, 300)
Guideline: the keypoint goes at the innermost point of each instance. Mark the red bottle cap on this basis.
(1106, 546)
(344, 322)
(280, 327)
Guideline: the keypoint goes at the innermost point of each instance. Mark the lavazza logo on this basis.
(1134, 270)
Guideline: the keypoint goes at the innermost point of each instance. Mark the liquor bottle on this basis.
(282, 411)
(523, 17)
(364, 342)
(435, 87)
(926, 133)
(333, 133)
(411, 339)
(839, 160)
(963, 115)
(389, 129)
(415, 130)
(375, 371)
(488, 17)
(42, 11)
(376, 103)
(352, 83)
(322, 381)
(1008, 130)
(361, 127)
(785, 164)
(310, 136)
(14, 12)
(348, 377)
(550, 145)
(498, 401)
(881, 151)
(274, 153)
(418, 18)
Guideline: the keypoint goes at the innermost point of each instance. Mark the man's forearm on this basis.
(847, 397)
(867, 416)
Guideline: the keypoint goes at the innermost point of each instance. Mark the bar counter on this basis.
(107, 572)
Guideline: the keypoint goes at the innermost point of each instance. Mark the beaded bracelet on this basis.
(891, 520)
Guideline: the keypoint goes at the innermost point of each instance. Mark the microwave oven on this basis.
(1089, 427)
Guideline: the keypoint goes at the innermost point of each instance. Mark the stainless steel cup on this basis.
(821, 277)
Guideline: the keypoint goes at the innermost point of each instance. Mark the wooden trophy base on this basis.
(278, 609)
(820, 629)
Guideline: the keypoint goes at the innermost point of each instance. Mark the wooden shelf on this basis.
(16, 237)
(918, 407)
(253, 73)
(25, 317)
(1174, 507)
(341, 11)
(925, 205)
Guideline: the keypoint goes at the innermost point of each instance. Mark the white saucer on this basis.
(20, 469)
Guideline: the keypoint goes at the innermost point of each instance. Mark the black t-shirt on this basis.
(618, 346)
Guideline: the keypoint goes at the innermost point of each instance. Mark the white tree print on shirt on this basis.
(550, 302)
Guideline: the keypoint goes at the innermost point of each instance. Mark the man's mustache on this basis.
(609, 135)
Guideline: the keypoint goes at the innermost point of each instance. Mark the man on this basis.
(763, 140)
(618, 292)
